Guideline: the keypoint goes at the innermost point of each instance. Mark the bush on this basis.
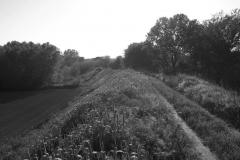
(141, 56)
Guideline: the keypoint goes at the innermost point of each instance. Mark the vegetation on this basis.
(216, 134)
(141, 56)
(209, 49)
(178, 44)
(118, 116)
(26, 66)
(169, 36)
(29, 66)
(123, 114)
(218, 101)
(70, 67)
(118, 63)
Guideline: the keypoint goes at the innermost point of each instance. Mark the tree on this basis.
(215, 48)
(71, 56)
(141, 56)
(169, 36)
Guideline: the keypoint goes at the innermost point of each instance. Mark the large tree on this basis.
(71, 56)
(169, 36)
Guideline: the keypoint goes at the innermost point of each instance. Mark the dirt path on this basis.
(204, 152)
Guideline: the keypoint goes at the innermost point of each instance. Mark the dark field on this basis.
(21, 111)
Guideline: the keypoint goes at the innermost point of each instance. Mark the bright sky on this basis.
(95, 27)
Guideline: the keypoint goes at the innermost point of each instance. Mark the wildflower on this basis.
(57, 155)
(79, 157)
(134, 157)
(86, 142)
(108, 158)
(35, 157)
(102, 154)
(94, 153)
(133, 153)
(59, 149)
(120, 154)
(86, 150)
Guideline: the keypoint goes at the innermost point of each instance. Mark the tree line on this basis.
(177, 44)
(31, 66)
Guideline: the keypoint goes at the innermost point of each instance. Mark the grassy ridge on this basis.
(120, 115)
(122, 105)
(215, 133)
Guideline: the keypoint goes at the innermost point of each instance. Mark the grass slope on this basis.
(119, 115)
(215, 133)
(219, 101)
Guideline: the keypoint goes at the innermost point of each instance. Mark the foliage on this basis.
(118, 63)
(71, 56)
(141, 56)
(169, 35)
(70, 66)
(178, 44)
(26, 65)
(219, 101)
(217, 53)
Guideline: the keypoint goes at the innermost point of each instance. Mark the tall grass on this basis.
(221, 102)
(215, 133)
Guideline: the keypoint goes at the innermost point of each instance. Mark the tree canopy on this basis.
(141, 56)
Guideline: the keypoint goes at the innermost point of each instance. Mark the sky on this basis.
(95, 27)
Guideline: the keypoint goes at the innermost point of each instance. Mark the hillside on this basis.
(124, 114)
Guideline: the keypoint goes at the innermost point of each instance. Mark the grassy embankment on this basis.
(119, 115)
(223, 140)
(217, 100)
